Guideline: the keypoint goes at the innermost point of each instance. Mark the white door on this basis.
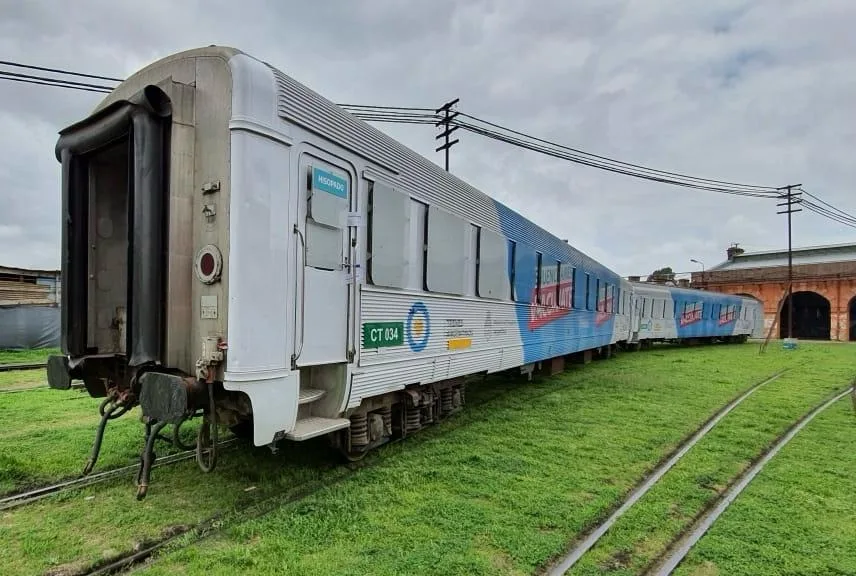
(635, 317)
(324, 308)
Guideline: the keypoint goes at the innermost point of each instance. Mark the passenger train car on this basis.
(238, 246)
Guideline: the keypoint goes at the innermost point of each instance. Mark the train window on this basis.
(565, 285)
(415, 245)
(446, 254)
(472, 260)
(526, 263)
(549, 290)
(389, 236)
(598, 295)
(493, 265)
(588, 291)
(581, 294)
(512, 265)
(539, 297)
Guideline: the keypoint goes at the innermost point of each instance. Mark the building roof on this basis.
(805, 255)
(27, 271)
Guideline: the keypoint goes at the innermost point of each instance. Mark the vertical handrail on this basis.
(302, 267)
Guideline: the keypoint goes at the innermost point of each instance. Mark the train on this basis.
(238, 248)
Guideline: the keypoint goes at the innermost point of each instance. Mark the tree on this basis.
(662, 275)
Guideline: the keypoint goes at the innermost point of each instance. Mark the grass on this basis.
(500, 495)
(47, 434)
(797, 515)
(24, 378)
(497, 489)
(26, 356)
(706, 471)
(17, 379)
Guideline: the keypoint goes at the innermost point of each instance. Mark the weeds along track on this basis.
(677, 550)
(215, 523)
(592, 535)
(33, 495)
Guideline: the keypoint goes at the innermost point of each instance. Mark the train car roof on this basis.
(298, 104)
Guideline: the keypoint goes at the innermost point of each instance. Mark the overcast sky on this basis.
(753, 91)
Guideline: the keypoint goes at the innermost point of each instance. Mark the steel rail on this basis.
(40, 387)
(14, 367)
(675, 554)
(16, 500)
(595, 534)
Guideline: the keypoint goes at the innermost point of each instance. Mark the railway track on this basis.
(40, 387)
(29, 496)
(594, 534)
(14, 367)
(215, 523)
(668, 561)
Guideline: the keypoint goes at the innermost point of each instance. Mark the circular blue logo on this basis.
(418, 327)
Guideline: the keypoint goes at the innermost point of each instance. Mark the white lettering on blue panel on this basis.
(330, 183)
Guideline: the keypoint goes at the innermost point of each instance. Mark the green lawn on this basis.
(698, 478)
(797, 516)
(26, 356)
(501, 495)
(499, 488)
(17, 379)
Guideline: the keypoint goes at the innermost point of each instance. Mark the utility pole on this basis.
(448, 116)
(791, 199)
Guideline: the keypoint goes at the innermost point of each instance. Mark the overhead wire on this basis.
(488, 129)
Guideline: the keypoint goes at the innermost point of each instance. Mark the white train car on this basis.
(669, 313)
(235, 244)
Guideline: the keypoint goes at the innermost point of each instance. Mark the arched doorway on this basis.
(811, 317)
(852, 308)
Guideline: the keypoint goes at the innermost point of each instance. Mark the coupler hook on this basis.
(115, 409)
(148, 457)
(207, 435)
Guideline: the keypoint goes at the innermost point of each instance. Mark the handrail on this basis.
(296, 355)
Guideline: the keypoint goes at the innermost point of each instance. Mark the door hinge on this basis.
(351, 354)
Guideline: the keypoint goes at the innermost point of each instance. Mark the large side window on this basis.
(526, 264)
(493, 274)
(447, 249)
(472, 259)
(389, 236)
(549, 289)
(566, 285)
(416, 243)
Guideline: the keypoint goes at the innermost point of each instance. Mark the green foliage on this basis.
(498, 489)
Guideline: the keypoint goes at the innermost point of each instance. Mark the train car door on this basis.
(635, 317)
(324, 308)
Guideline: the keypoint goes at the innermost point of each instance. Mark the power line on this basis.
(55, 84)
(58, 71)
(567, 153)
(619, 162)
(416, 115)
(70, 83)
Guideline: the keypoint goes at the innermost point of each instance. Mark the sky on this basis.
(758, 92)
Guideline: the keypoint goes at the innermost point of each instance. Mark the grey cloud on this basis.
(756, 91)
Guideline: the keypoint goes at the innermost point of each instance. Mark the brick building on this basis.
(824, 287)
